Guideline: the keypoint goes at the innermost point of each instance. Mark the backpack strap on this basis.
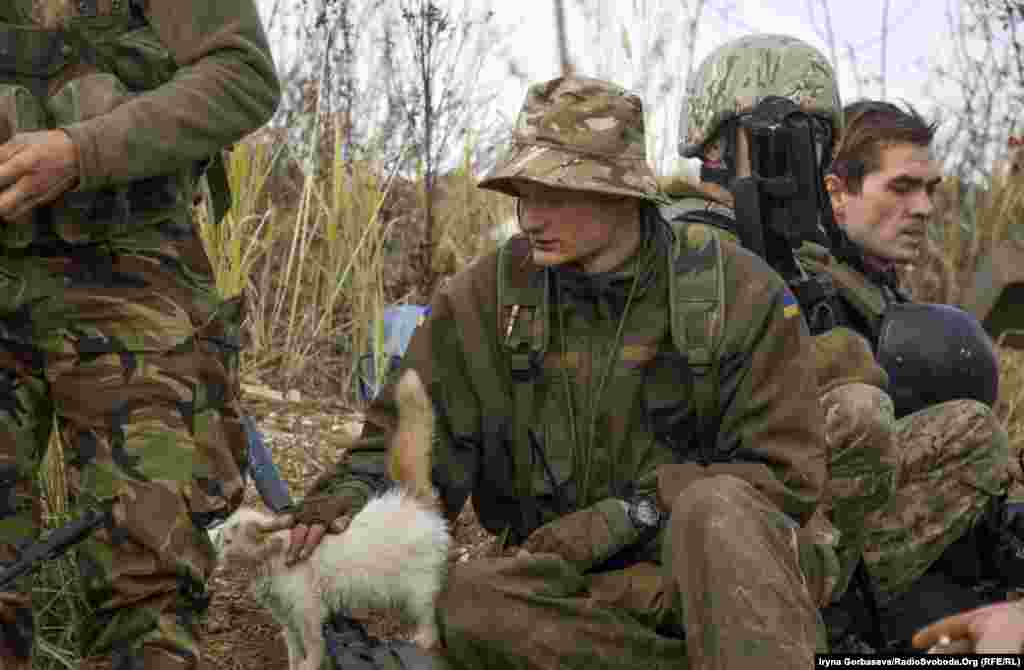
(696, 299)
(523, 311)
(866, 298)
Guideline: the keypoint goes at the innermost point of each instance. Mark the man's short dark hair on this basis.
(871, 126)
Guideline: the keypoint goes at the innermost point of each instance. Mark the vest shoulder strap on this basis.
(696, 303)
(859, 292)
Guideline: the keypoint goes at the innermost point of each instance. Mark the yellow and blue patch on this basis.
(790, 307)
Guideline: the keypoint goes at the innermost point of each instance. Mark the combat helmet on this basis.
(738, 75)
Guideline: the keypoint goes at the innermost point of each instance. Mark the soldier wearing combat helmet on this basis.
(769, 189)
(631, 407)
(110, 110)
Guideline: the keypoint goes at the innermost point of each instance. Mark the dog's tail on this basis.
(409, 458)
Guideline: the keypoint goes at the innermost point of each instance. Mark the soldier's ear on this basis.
(837, 193)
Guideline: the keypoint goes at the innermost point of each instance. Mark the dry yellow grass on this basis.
(967, 226)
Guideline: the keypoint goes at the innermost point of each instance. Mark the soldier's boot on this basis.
(16, 632)
(350, 647)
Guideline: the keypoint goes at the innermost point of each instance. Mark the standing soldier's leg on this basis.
(25, 423)
(954, 459)
(149, 416)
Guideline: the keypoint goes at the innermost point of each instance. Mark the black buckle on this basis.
(525, 367)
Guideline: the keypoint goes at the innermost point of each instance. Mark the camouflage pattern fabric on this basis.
(862, 463)
(577, 133)
(744, 592)
(953, 459)
(538, 611)
(109, 319)
(147, 407)
(736, 76)
(902, 490)
(224, 84)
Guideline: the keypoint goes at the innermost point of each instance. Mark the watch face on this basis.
(647, 513)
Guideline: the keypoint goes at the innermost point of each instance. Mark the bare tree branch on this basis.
(563, 41)
(885, 47)
(830, 37)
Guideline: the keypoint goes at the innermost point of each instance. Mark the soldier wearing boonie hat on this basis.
(567, 409)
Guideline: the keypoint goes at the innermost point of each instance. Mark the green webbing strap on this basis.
(220, 190)
(696, 298)
(865, 298)
(524, 338)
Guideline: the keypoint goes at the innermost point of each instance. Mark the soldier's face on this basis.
(590, 231)
(890, 215)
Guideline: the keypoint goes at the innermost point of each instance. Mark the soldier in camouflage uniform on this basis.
(883, 493)
(109, 316)
(953, 457)
(632, 517)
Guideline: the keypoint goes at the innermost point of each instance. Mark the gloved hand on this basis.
(315, 516)
(585, 538)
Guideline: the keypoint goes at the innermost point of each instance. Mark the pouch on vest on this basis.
(105, 215)
(20, 112)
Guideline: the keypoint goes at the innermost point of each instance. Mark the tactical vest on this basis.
(696, 299)
(53, 77)
(868, 300)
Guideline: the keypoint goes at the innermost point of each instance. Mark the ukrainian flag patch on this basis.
(790, 307)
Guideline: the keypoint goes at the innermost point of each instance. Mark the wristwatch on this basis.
(645, 514)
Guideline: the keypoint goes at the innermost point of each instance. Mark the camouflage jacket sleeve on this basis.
(771, 422)
(437, 353)
(226, 86)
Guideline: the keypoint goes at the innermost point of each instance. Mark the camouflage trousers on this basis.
(901, 491)
(729, 575)
(127, 354)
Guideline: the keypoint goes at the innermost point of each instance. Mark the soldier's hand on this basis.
(993, 629)
(584, 538)
(317, 516)
(35, 169)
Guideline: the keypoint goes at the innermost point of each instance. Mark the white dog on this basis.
(393, 552)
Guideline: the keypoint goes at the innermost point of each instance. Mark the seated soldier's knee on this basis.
(963, 427)
(711, 503)
(858, 415)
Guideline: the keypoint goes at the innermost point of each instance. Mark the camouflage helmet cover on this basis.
(577, 133)
(736, 76)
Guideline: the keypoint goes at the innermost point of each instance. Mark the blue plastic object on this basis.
(400, 321)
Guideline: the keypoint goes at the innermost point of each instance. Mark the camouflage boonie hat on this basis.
(739, 74)
(578, 133)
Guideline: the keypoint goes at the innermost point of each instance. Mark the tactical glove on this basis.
(586, 538)
(326, 507)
